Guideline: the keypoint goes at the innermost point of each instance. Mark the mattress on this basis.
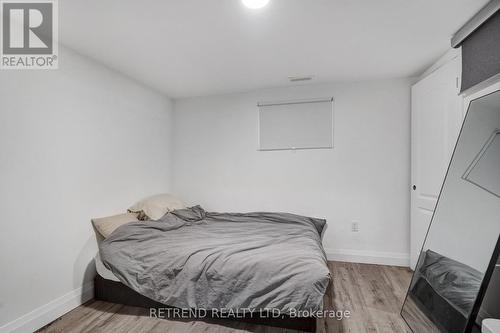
(102, 270)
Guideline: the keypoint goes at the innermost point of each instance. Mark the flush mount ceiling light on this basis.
(255, 4)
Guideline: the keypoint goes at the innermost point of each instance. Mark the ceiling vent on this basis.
(300, 78)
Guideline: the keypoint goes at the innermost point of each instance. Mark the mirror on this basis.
(461, 247)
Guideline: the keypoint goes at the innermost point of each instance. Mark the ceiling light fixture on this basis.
(255, 4)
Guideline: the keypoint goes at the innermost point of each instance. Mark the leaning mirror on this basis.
(461, 247)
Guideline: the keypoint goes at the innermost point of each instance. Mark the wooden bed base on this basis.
(116, 292)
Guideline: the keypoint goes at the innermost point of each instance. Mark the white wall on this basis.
(78, 142)
(366, 177)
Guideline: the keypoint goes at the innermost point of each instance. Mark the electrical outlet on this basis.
(355, 226)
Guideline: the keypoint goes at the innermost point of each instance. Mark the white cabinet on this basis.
(436, 121)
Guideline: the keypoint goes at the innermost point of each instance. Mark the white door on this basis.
(436, 120)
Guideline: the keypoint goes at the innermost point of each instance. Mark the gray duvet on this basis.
(199, 260)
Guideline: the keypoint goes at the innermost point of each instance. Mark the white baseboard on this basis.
(369, 257)
(47, 313)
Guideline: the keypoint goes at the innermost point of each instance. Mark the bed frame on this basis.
(116, 292)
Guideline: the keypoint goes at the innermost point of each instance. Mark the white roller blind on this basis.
(306, 124)
(485, 169)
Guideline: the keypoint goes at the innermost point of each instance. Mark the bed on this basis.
(192, 259)
(445, 290)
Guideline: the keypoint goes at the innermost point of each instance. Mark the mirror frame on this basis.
(471, 319)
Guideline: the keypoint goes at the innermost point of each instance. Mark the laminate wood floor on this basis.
(372, 294)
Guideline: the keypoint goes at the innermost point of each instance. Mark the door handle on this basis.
(414, 187)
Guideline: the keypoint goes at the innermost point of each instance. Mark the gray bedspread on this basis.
(199, 260)
(456, 282)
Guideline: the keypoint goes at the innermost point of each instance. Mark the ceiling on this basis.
(201, 47)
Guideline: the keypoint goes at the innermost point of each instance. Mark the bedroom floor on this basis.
(373, 294)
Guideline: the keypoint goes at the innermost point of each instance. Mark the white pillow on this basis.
(106, 225)
(156, 206)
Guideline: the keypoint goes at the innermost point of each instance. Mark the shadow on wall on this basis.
(84, 269)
